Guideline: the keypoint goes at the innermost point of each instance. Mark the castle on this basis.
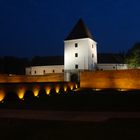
(80, 54)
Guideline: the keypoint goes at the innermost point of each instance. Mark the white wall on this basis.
(92, 54)
(84, 50)
(42, 70)
(111, 66)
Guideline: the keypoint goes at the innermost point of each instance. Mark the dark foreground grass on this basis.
(122, 129)
(83, 100)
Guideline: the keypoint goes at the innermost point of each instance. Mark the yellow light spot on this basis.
(65, 88)
(36, 91)
(76, 86)
(20, 93)
(97, 89)
(2, 95)
(71, 87)
(57, 89)
(48, 90)
(122, 89)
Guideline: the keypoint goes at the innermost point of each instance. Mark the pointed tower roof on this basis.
(79, 31)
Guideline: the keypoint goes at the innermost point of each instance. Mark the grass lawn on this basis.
(44, 130)
(84, 100)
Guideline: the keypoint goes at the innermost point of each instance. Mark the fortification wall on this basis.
(22, 86)
(29, 79)
(119, 79)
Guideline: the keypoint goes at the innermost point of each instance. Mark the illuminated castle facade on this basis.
(80, 53)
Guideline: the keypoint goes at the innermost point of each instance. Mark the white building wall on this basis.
(43, 70)
(112, 66)
(28, 71)
(92, 57)
(84, 50)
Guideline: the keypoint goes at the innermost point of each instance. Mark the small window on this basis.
(62, 70)
(92, 55)
(76, 66)
(53, 71)
(76, 54)
(44, 71)
(30, 72)
(114, 67)
(35, 71)
(92, 45)
(76, 45)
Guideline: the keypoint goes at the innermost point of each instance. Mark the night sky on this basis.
(38, 27)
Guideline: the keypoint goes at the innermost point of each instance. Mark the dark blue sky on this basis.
(38, 27)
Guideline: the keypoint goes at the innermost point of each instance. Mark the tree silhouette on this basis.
(133, 56)
(13, 65)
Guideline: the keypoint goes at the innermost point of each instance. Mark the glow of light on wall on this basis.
(57, 89)
(76, 86)
(2, 95)
(120, 80)
(71, 87)
(48, 90)
(97, 89)
(65, 88)
(36, 91)
(21, 93)
(122, 89)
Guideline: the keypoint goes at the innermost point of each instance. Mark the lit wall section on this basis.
(113, 79)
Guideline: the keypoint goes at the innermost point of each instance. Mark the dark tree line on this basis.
(13, 65)
(133, 56)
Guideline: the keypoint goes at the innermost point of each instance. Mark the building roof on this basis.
(103, 58)
(110, 58)
(47, 61)
(79, 31)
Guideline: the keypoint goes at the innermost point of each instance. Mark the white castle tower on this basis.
(80, 51)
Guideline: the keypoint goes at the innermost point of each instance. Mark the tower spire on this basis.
(79, 31)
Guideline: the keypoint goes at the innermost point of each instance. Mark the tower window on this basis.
(76, 66)
(92, 55)
(62, 70)
(76, 54)
(92, 45)
(35, 71)
(44, 71)
(76, 45)
(53, 71)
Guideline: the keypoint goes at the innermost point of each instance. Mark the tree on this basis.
(14, 65)
(133, 56)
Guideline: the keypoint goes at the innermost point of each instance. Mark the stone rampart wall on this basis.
(119, 79)
(30, 79)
